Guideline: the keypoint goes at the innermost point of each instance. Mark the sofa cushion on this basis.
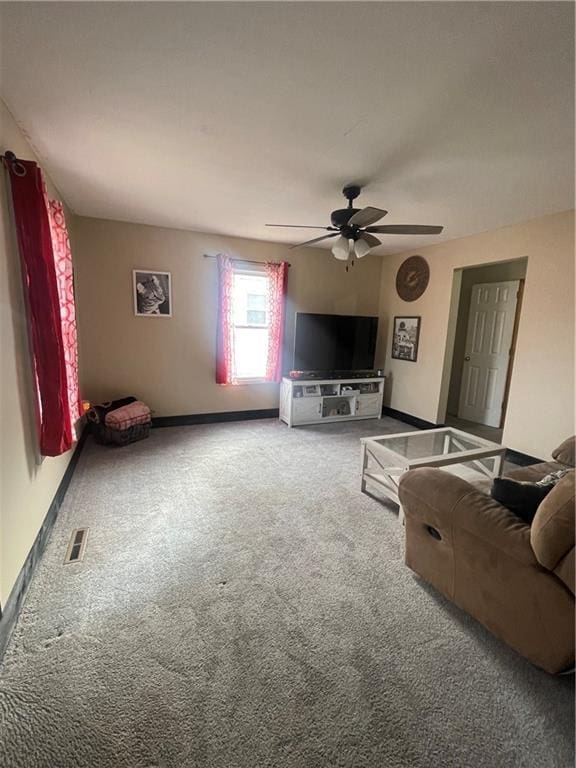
(552, 532)
(565, 453)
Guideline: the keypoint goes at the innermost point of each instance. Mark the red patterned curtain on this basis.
(65, 283)
(34, 232)
(224, 343)
(277, 287)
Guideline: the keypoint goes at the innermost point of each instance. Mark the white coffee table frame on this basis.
(391, 465)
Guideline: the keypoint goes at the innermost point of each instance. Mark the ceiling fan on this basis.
(352, 228)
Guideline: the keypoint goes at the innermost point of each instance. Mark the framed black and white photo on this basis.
(152, 293)
(405, 338)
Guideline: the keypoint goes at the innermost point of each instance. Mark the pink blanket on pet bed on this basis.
(128, 416)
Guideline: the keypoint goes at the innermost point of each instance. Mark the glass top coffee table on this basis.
(385, 458)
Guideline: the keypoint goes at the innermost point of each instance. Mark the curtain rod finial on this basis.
(12, 163)
(8, 157)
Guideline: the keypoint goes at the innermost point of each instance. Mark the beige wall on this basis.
(541, 403)
(495, 273)
(169, 362)
(27, 487)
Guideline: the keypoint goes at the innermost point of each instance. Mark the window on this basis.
(256, 311)
(250, 324)
(251, 308)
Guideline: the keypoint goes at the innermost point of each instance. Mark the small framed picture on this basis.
(152, 293)
(405, 338)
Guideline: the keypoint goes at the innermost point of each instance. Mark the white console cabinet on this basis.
(312, 401)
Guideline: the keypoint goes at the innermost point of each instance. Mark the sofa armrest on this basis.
(446, 502)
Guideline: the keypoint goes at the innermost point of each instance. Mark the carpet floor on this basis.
(242, 605)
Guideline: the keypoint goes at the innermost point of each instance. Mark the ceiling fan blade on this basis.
(370, 239)
(316, 240)
(299, 226)
(405, 229)
(366, 216)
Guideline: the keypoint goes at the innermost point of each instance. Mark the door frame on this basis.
(455, 297)
(512, 354)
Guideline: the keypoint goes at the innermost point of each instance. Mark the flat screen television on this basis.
(334, 342)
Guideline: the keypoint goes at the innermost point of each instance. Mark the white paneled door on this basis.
(487, 355)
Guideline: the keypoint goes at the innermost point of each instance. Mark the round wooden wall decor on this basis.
(412, 278)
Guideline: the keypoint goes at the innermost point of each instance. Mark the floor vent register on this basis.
(76, 545)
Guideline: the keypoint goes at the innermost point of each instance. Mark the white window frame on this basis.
(257, 271)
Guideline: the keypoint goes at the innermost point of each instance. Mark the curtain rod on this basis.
(245, 261)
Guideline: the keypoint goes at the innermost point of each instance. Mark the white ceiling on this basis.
(220, 117)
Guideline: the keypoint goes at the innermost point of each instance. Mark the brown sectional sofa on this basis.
(516, 579)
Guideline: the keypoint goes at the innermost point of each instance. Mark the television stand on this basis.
(315, 401)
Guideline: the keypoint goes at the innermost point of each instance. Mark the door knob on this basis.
(467, 358)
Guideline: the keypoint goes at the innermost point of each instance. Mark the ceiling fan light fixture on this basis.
(341, 248)
(361, 248)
